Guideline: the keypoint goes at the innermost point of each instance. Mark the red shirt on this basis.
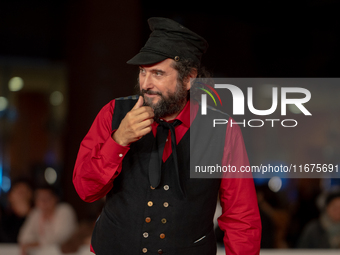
(99, 162)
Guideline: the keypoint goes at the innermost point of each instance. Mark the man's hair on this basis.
(185, 67)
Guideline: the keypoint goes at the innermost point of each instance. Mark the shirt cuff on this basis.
(113, 151)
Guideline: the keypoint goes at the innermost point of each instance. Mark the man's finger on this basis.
(144, 124)
(145, 114)
(145, 131)
(139, 103)
(140, 114)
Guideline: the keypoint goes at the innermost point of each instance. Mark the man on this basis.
(137, 154)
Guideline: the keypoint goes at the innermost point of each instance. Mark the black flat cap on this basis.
(170, 39)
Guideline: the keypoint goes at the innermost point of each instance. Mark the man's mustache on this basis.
(150, 92)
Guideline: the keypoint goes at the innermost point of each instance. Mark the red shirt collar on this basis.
(183, 116)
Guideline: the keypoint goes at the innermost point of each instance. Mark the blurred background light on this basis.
(56, 98)
(275, 184)
(50, 175)
(6, 183)
(15, 84)
(3, 103)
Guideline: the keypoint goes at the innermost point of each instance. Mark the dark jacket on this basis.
(140, 220)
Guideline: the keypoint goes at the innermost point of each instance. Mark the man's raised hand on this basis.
(135, 125)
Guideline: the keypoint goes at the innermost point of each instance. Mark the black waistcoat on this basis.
(140, 220)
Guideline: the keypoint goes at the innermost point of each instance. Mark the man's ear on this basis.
(192, 75)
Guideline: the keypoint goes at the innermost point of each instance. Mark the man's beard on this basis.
(166, 106)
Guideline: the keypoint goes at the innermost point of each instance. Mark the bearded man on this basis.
(137, 154)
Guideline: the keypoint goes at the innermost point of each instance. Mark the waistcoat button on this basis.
(145, 235)
(166, 187)
(163, 220)
(160, 251)
(165, 204)
(162, 236)
(145, 250)
(147, 219)
(150, 203)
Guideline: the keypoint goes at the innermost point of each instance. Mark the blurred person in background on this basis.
(325, 231)
(20, 202)
(49, 223)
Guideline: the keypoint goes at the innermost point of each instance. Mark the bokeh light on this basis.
(3, 103)
(50, 175)
(275, 184)
(56, 98)
(15, 84)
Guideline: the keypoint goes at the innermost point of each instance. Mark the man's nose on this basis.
(145, 81)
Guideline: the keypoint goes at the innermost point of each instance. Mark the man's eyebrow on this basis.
(153, 70)
(157, 70)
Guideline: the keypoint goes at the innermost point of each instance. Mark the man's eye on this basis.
(141, 70)
(159, 73)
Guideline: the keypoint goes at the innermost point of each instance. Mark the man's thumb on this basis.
(139, 103)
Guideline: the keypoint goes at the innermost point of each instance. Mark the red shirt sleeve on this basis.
(240, 219)
(99, 159)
